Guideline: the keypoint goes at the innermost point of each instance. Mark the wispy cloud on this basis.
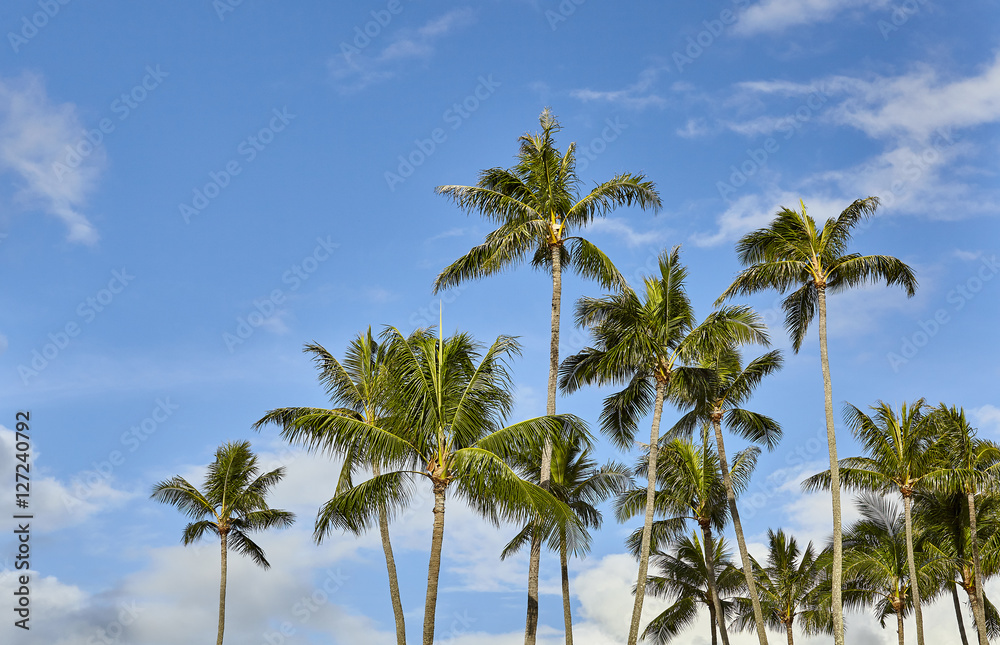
(355, 69)
(774, 16)
(35, 135)
(637, 96)
(622, 230)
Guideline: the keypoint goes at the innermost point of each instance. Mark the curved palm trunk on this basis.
(758, 613)
(788, 632)
(390, 563)
(434, 568)
(567, 610)
(647, 527)
(914, 581)
(979, 607)
(837, 572)
(531, 624)
(222, 588)
(712, 621)
(713, 592)
(899, 626)
(958, 614)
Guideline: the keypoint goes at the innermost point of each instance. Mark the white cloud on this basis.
(622, 230)
(356, 69)
(773, 16)
(34, 135)
(636, 96)
(987, 417)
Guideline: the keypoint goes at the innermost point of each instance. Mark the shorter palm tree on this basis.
(791, 587)
(683, 578)
(580, 484)
(231, 503)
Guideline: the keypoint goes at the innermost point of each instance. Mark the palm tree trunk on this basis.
(899, 626)
(758, 613)
(222, 588)
(567, 610)
(531, 624)
(837, 572)
(974, 603)
(914, 582)
(788, 632)
(434, 568)
(712, 622)
(979, 607)
(958, 614)
(390, 563)
(713, 592)
(647, 527)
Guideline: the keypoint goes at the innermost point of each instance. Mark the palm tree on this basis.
(359, 385)
(684, 579)
(876, 567)
(648, 344)
(731, 386)
(447, 415)
(792, 586)
(538, 211)
(972, 467)
(793, 253)
(902, 453)
(689, 488)
(580, 484)
(231, 504)
(943, 519)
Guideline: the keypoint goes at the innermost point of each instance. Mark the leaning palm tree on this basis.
(902, 453)
(360, 386)
(791, 586)
(972, 467)
(793, 253)
(683, 578)
(539, 212)
(576, 481)
(690, 487)
(230, 504)
(648, 344)
(448, 401)
(730, 387)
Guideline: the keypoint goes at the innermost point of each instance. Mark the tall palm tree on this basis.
(648, 344)
(730, 387)
(793, 253)
(902, 453)
(876, 566)
(231, 504)
(791, 586)
(539, 212)
(690, 487)
(580, 484)
(683, 578)
(360, 386)
(449, 402)
(972, 467)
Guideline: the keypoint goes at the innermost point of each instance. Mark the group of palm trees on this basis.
(423, 407)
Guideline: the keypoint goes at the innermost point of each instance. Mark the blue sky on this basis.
(188, 194)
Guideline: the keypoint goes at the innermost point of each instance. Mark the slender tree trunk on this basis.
(899, 626)
(980, 633)
(837, 572)
(390, 564)
(758, 613)
(647, 527)
(567, 609)
(434, 568)
(788, 632)
(712, 622)
(222, 588)
(914, 582)
(958, 615)
(534, 560)
(980, 606)
(713, 591)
